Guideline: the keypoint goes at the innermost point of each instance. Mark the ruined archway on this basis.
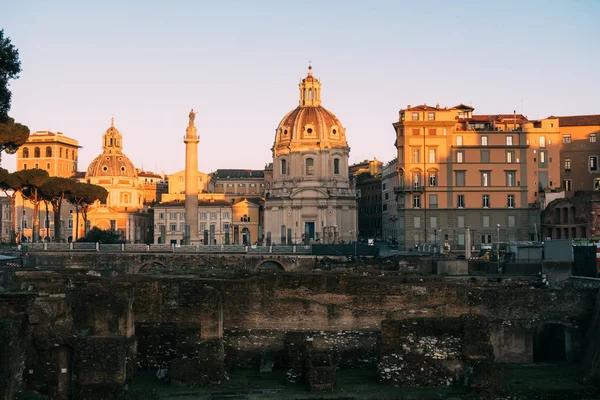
(270, 265)
(150, 266)
(551, 343)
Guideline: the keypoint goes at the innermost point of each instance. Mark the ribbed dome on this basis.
(111, 165)
(310, 124)
(112, 161)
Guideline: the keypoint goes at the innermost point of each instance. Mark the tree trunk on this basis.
(35, 234)
(57, 228)
(13, 214)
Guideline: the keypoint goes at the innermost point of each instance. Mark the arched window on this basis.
(36, 152)
(310, 94)
(72, 155)
(25, 152)
(336, 166)
(60, 152)
(48, 151)
(310, 163)
(283, 167)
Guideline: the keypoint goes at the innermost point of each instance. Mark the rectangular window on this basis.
(542, 141)
(461, 221)
(433, 201)
(173, 227)
(432, 155)
(417, 222)
(485, 201)
(226, 215)
(567, 164)
(173, 215)
(460, 178)
(486, 178)
(70, 223)
(432, 132)
(511, 200)
(336, 166)
(484, 140)
(592, 138)
(543, 158)
(460, 201)
(432, 179)
(485, 221)
(460, 157)
(161, 215)
(431, 116)
(596, 183)
(593, 163)
(511, 221)
(567, 185)
(202, 227)
(416, 131)
(485, 156)
(486, 239)
(182, 216)
(509, 140)
(416, 155)
(415, 116)
(459, 140)
(416, 201)
(566, 139)
(182, 227)
(47, 165)
(387, 196)
(213, 215)
(510, 178)
(203, 215)
(510, 156)
(283, 167)
(433, 222)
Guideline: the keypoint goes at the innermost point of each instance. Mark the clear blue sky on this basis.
(238, 63)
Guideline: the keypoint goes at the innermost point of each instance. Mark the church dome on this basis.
(310, 124)
(112, 161)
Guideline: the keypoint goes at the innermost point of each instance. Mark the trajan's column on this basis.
(191, 182)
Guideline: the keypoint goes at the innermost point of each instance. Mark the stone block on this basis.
(452, 267)
(206, 368)
(320, 373)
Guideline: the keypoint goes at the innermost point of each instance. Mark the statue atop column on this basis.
(191, 129)
(192, 117)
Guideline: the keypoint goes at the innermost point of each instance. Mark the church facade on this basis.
(310, 198)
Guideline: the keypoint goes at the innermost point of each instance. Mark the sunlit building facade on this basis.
(457, 170)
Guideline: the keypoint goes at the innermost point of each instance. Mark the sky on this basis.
(238, 63)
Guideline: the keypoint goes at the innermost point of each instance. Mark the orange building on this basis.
(580, 152)
(484, 172)
(49, 151)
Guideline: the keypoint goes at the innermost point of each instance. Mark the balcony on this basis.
(408, 188)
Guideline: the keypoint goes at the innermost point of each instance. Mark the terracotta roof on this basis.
(255, 200)
(78, 174)
(238, 173)
(425, 107)
(579, 120)
(148, 173)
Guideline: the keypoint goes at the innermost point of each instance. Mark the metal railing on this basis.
(163, 248)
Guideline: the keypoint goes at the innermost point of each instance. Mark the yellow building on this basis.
(176, 183)
(236, 183)
(57, 154)
(53, 152)
(123, 211)
(459, 170)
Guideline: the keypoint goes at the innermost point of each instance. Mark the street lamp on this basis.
(498, 247)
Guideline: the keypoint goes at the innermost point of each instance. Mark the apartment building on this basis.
(366, 178)
(458, 170)
(53, 152)
(389, 206)
(580, 153)
(239, 183)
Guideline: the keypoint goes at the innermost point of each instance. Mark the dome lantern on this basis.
(310, 90)
(112, 141)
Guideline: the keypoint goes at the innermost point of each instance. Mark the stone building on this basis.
(153, 185)
(366, 177)
(58, 155)
(389, 206)
(485, 172)
(53, 152)
(176, 185)
(219, 221)
(575, 217)
(5, 220)
(580, 153)
(124, 210)
(310, 197)
(236, 183)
